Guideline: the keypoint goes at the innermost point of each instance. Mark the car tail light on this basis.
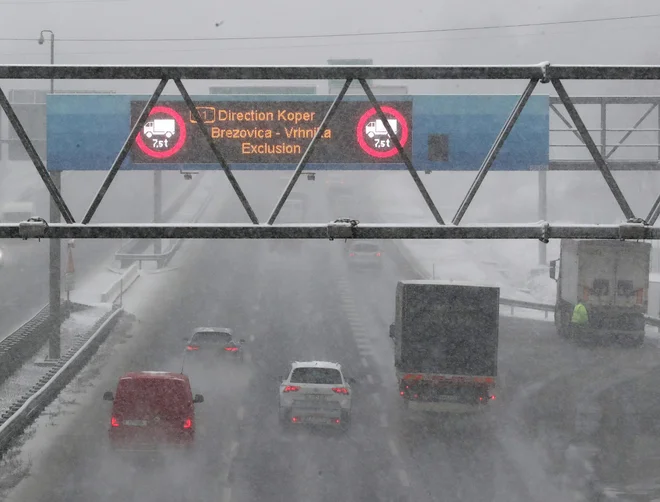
(114, 422)
(187, 423)
(336, 420)
(351, 254)
(378, 253)
(340, 390)
(192, 347)
(402, 393)
(291, 388)
(231, 349)
(294, 419)
(493, 397)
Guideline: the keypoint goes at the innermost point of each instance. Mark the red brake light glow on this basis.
(340, 390)
(231, 349)
(291, 388)
(351, 254)
(187, 423)
(378, 253)
(192, 347)
(114, 422)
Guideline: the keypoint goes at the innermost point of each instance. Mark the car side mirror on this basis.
(107, 396)
(351, 381)
(391, 330)
(553, 269)
(198, 398)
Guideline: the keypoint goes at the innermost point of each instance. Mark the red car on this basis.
(152, 409)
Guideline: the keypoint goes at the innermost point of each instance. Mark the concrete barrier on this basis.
(122, 284)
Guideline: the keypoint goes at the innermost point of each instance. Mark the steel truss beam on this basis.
(533, 73)
(542, 71)
(339, 229)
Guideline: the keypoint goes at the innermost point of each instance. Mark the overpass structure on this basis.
(601, 154)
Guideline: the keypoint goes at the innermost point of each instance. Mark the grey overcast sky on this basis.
(626, 41)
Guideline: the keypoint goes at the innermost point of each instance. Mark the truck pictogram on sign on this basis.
(377, 128)
(160, 127)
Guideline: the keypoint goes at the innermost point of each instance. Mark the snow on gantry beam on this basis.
(541, 71)
(541, 231)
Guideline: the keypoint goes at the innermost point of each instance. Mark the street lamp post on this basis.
(52, 53)
(55, 268)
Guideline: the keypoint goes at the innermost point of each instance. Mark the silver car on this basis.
(317, 393)
(365, 254)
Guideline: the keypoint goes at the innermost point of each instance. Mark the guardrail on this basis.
(27, 340)
(122, 284)
(135, 247)
(27, 407)
(409, 260)
(161, 259)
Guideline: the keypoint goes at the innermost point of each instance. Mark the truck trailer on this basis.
(611, 279)
(446, 338)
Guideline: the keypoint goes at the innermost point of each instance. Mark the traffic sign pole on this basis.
(158, 208)
(55, 274)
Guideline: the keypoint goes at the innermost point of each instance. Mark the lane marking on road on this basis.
(370, 379)
(383, 420)
(364, 362)
(403, 477)
(240, 413)
(233, 449)
(358, 330)
(393, 448)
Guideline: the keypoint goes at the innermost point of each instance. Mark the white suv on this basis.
(315, 392)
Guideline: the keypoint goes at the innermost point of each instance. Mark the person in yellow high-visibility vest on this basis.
(580, 319)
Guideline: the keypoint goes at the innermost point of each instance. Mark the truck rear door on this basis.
(597, 274)
(631, 276)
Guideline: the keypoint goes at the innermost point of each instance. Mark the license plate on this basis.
(135, 423)
(451, 399)
(315, 397)
(317, 420)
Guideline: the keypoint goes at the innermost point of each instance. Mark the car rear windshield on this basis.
(212, 337)
(143, 397)
(327, 376)
(366, 248)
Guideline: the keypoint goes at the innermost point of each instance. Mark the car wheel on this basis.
(284, 416)
(345, 420)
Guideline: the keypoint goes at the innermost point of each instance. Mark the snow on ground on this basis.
(21, 179)
(73, 328)
(513, 265)
(91, 289)
(141, 302)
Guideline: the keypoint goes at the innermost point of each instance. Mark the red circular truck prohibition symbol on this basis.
(146, 131)
(364, 127)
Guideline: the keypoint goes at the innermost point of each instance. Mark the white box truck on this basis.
(611, 278)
